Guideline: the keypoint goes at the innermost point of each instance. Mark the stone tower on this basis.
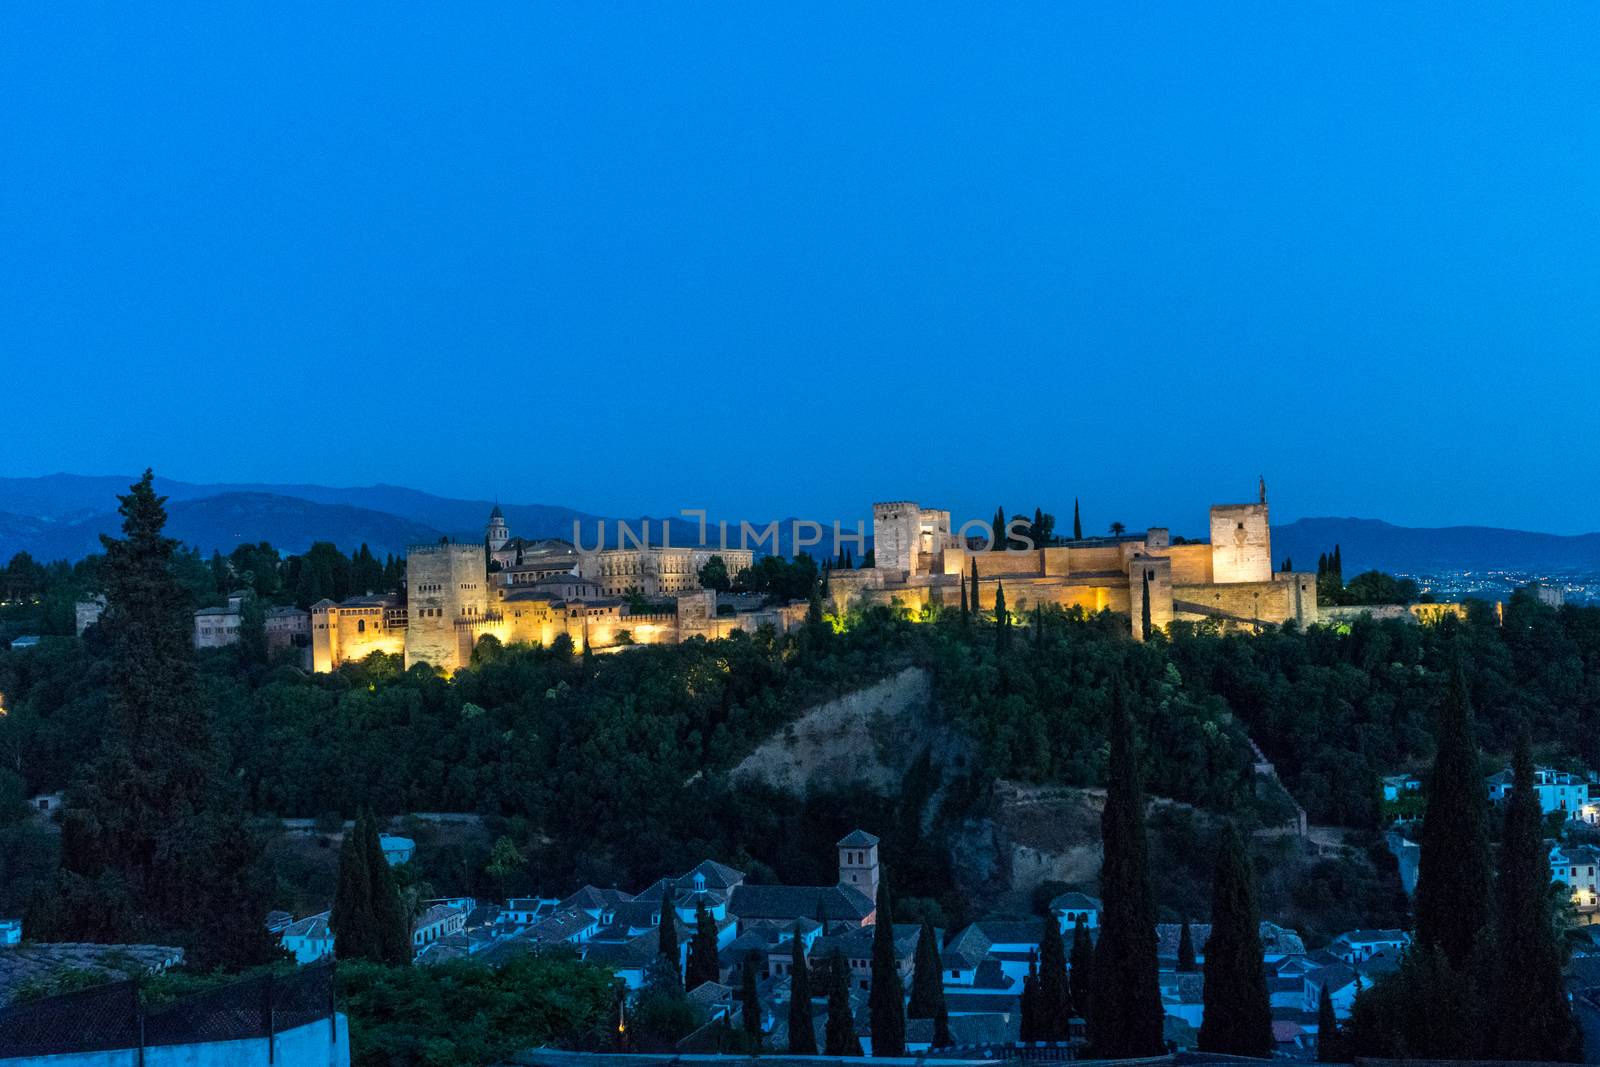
(1241, 543)
(447, 593)
(498, 532)
(858, 862)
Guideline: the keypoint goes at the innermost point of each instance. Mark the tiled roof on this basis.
(1012, 931)
(30, 960)
(793, 901)
(1275, 940)
(966, 950)
(1075, 901)
(310, 926)
(857, 839)
(1359, 936)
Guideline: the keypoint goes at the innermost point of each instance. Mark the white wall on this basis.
(304, 1046)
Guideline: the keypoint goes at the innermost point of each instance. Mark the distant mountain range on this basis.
(1368, 544)
(61, 516)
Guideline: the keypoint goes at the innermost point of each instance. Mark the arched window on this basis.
(361, 626)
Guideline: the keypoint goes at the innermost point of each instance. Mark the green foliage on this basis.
(1330, 1041)
(462, 1012)
(1053, 1003)
(714, 575)
(667, 937)
(839, 1036)
(702, 965)
(1125, 1011)
(1453, 873)
(749, 1001)
(927, 977)
(802, 1034)
(1082, 962)
(1530, 1017)
(1237, 1017)
(886, 998)
(1186, 964)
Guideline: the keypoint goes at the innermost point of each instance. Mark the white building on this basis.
(1574, 867)
(310, 939)
(1558, 791)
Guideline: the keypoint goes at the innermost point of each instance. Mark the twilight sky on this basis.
(790, 258)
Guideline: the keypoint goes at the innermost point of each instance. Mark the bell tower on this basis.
(858, 862)
(498, 533)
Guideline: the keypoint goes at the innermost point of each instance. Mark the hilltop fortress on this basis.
(533, 592)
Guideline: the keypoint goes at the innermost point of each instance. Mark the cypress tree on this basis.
(1038, 627)
(1029, 1030)
(667, 933)
(965, 611)
(1125, 1011)
(1053, 1005)
(886, 999)
(1453, 886)
(941, 1028)
(1530, 1018)
(814, 607)
(1238, 1018)
(1330, 1046)
(1036, 533)
(1077, 522)
(927, 977)
(998, 546)
(1144, 610)
(703, 966)
(1186, 964)
(750, 1002)
(839, 1036)
(1082, 966)
(392, 924)
(1322, 566)
(1002, 619)
(1338, 564)
(802, 1037)
(354, 926)
(977, 603)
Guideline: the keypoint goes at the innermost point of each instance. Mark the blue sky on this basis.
(775, 259)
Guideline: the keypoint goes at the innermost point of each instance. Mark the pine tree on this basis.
(839, 1036)
(1186, 964)
(703, 966)
(1082, 966)
(802, 1037)
(1077, 522)
(999, 545)
(1330, 1044)
(392, 924)
(750, 1002)
(155, 844)
(1125, 1012)
(1002, 619)
(1144, 610)
(927, 977)
(1053, 1005)
(1453, 882)
(354, 926)
(667, 931)
(1237, 1017)
(886, 999)
(1530, 1017)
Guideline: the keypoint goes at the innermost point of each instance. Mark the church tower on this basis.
(498, 532)
(858, 862)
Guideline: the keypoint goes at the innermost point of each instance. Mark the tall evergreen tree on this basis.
(802, 1036)
(1237, 1017)
(1186, 964)
(886, 999)
(1337, 563)
(1002, 619)
(1038, 626)
(392, 923)
(1530, 1018)
(1028, 1031)
(667, 931)
(927, 977)
(1082, 966)
(750, 1002)
(1330, 1043)
(1125, 1012)
(1053, 1006)
(703, 966)
(965, 610)
(1077, 521)
(941, 1029)
(355, 928)
(1144, 610)
(839, 1037)
(977, 603)
(999, 534)
(155, 843)
(1453, 886)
